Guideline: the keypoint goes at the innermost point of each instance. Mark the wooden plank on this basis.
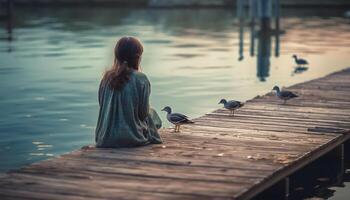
(271, 121)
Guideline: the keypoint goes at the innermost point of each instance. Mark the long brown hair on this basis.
(127, 57)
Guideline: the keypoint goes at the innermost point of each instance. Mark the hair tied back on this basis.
(127, 56)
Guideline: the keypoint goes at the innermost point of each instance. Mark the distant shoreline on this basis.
(174, 3)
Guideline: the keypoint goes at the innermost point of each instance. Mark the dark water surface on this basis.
(51, 61)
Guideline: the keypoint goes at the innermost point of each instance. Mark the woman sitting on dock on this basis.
(125, 118)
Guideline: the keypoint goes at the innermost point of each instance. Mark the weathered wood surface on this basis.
(219, 157)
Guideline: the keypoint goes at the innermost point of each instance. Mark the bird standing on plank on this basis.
(231, 105)
(300, 61)
(176, 118)
(284, 95)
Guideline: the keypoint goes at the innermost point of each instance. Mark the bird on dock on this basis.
(300, 61)
(231, 105)
(284, 95)
(176, 118)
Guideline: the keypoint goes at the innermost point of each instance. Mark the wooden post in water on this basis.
(341, 158)
(347, 152)
(336, 157)
(287, 188)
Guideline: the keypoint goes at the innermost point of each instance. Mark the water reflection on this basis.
(299, 70)
(261, 14)
(41, 149)
(8, 18)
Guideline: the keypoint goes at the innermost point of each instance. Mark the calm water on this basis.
(51, 61)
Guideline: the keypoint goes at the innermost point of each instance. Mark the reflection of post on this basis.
(240, 9)
(9, 27)
(9, 22)
(241, 39)
(253, 15)
(240, 16)
(252, 38)
(9, 7)
(264, 42)
(264, 9)
(277, 27)
(264, 50)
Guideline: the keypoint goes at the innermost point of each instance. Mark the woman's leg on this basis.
(155, 117)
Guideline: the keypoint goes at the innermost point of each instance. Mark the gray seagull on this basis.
(284, 95)
(176, 118)
(231, 105)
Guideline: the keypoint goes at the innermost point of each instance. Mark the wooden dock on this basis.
(219, 157)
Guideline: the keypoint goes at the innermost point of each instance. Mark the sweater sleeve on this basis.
(144, 104)
(100, 92)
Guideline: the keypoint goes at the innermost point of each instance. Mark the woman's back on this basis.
(124, 118)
